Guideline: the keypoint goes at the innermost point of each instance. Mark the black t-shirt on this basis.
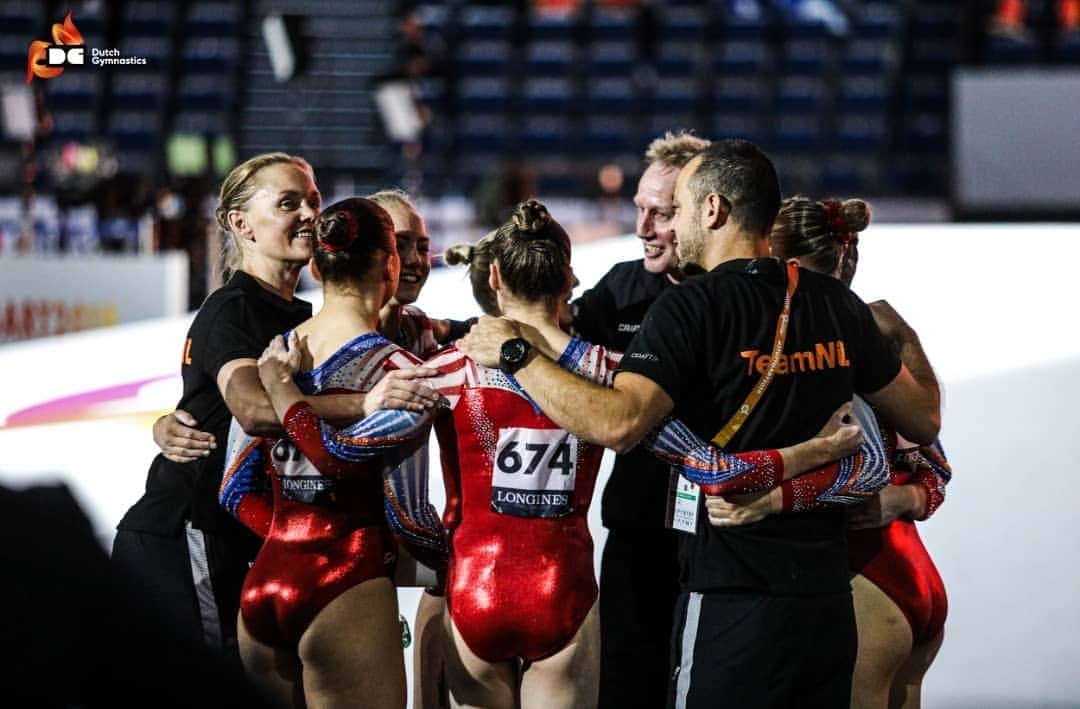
(706, 344)
(236, 321)
(610, 314)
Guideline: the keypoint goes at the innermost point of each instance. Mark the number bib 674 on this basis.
(534, 472)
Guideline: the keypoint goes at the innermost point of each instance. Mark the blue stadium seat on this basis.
(677, 58)
(863, 93)
(484, 94)
(741, 94)
(842, 177)
(492, 22)
(550, 57)
(83, 94)
(661, 122)
(869, 56)
(611, 23)
(743, 57)
(610, 95)
(203, 91)
(135, 130)
(210, 54)
(808, 56)
(148, 18)
(798, 134)
(552, 25)
(547, 94)
(608, 135)
(214, 19)
(483, 133)
(542, 135)
(23, 19)
(143, 90)
(485, 56)
(675, 95)
(875, 20)
(610, 58)
(800, 94)
(204, 122)
(861, 132)
(74, 125)
(684, 22)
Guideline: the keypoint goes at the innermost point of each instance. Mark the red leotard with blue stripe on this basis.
(324, 515)
(894, 558)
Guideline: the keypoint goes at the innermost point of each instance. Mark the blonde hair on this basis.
(237, 189)
(393, 198)
(675, 149)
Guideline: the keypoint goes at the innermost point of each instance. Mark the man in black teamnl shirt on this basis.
(639, 579)
(766, 617)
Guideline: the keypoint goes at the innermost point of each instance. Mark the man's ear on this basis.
(714, 211)
(494, 279)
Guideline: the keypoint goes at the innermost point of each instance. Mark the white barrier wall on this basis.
(42, 295)
(997, 323)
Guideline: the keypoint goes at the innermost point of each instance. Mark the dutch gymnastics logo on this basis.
(47, 60)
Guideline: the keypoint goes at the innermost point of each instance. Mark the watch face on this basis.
(514, 350)
(513, 353)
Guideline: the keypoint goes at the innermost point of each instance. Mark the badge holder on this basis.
(684, 496)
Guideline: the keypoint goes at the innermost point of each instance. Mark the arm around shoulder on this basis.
(911, 406)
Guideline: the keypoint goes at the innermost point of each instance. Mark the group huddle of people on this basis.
(776, 439)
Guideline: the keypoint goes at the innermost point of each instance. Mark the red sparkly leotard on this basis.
(893, 557)
(333, 497)
(518, 487)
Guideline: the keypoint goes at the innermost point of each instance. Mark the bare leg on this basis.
(352, 653)
(429, 638)
(570, 678)
(907, 686)
(473, 682)
(884, 644)
(275, 673)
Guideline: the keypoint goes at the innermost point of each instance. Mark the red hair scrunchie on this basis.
(836, 223)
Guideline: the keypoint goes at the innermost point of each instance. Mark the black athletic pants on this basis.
(193, 580)
(747, 650)
(639, 584)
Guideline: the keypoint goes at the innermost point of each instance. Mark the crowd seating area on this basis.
(866, 112)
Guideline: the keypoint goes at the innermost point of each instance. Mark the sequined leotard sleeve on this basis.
(245, 490)
(847, 481)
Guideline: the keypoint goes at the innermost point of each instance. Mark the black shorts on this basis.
(639, 584)
(750, 650)
(193, 581)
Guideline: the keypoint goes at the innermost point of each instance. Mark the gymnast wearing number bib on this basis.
(521, 589)
(319, 619)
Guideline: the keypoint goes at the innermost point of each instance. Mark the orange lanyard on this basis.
(732, 427)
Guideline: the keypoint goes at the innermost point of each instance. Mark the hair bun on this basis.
(530, 217)
(846, 219)
(459, 254)
(336, 230)
(855, 214)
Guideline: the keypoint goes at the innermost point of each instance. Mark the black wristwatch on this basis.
(513, 354)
